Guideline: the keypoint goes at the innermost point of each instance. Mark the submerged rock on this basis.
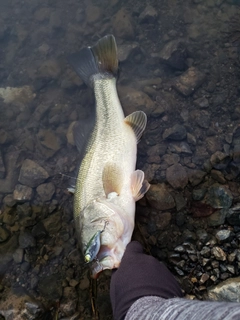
(19, 96)
(22, 193)
(177, 176)
(159, 197)
(6, 253)
(32, 174)
(46, 191)
(177, 132)
(123, 25)
(189, 81)
(50, 287)
(174, 54)
(219, 196)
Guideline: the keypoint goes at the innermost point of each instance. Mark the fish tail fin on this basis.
(99, 59)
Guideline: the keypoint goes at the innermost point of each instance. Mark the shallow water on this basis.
(179, 63)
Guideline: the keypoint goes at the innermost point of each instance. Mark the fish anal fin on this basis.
(112, 179)
(139, 185)
(137, 121)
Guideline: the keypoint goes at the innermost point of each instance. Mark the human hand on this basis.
(140, 275)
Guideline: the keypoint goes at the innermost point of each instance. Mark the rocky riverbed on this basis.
(179, 63)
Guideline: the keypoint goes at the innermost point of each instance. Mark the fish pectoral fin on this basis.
(112, 179)
(139, 185)
(137, 121)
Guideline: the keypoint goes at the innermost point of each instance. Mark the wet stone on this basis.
(177, 176)
(46, 191)
(18, 255)
(174, 54)
(198, 194)
(218, 253)
(202, 118)
(39, 230)
(201, 102)
(9, 201)
(7, 249)
(220, 160)
(123, 25)
(233, 217)
(226, 291)
(4, 234)
(217, 218)
(32, 174)
(160, 198)
(218, 176)
(149, 15)
(223, 235)
(53, 223)
(177, 132)
(26, 239)
(50, 287)
(219, 196)
(50, 69)
(205, 252)
(22, 193)
(195, 176)
(189, 81)
(204, 278)
(202, 235)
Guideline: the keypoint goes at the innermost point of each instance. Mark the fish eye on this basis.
(87, 258)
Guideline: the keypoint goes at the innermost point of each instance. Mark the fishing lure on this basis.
(93, 245)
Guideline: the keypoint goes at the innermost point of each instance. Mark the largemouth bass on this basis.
(107, 185)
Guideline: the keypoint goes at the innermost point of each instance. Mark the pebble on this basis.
(18, 255)
(22, 193)
(189, 81)
(218, 253)
(174, 54)
(149, 15)
(223, 235)
(219, 196)
(123, 25)
(26, 239)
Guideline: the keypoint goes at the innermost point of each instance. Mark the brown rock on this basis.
(177, 176)
(122, 25)
(159, 197)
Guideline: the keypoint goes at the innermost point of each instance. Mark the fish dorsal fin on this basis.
(139, 185)
(137, 121)
(112, 179)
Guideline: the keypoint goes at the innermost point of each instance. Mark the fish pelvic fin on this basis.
(112, 179)
(139, 185)
(99, 59)
(137, 121)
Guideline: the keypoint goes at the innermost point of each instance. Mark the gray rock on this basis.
(26, 239)
(32, 174)
(218, 176)
(18, 255)
(198, 194)
(202, 235)
(46, 191)
(9, 201)
(217, 218)
(174, 54)
(123, 25)
(126, 50)
(22, 193)
(189, 81)
(220, 160)
(149, 15)
(223, 235)
(177, 132)
(4, 234)
(49, 69)
(195, 176)
(180, 201)
(177, 176)
(50, 287)
(201, 102)
(39, 230)
(159, 197)
(233, 216)
(53, 223)
(20, 305)
(236, 153)
(38, 114)
(6, 253)
(205, 252)
(202, 118)
(218, 253)
(204, 278)
(219, 196)
(228, 290)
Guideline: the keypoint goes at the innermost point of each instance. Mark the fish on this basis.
(108, 184)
